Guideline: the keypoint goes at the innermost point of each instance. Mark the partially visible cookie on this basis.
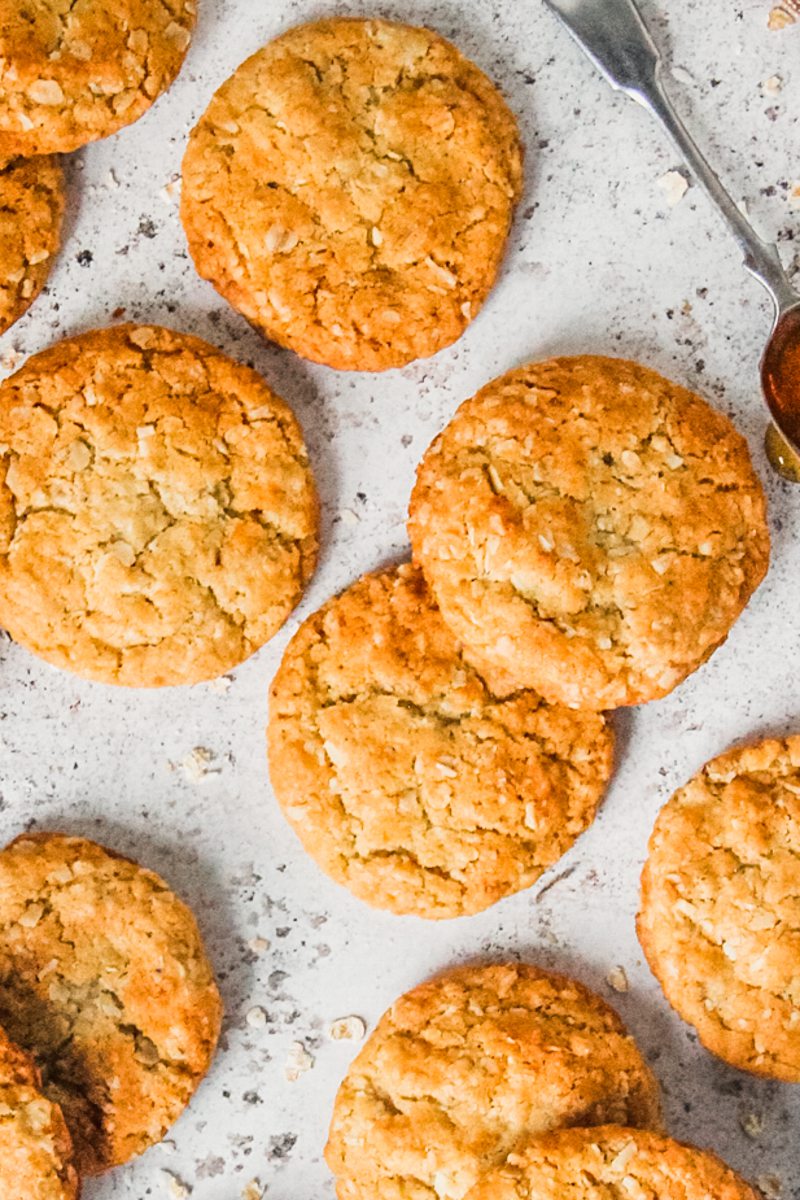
(71, 73)
(590, 528)
(720, 906)
(463, 1067)
(350, 189)
(418, 783)
(611, 1163)
(104, 979)
(158, 515)
(35, 1146)
(31, 208)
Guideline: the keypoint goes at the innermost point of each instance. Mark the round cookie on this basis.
(590, 528)
(611, 1163)
(720, 906)
(104, 979)
(71, 73)
(35, 1146)
(31, 209)
(350, 190)
(463, 1067)
(158, 516)
(418, 784)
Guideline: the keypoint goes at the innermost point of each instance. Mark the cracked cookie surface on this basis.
(350, 190)
(591, 528)
(35, 1146)
(720, 906)
(31, 209)
(611, 1163)
(158, 516)
(104, 979)
(406, 777)
(74, 72)
(464, 1066)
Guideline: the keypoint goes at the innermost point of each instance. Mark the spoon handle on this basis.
(614, 36)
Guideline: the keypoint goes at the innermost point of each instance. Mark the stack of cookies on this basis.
(109, 1013)
(509, 1081)
(584, 533)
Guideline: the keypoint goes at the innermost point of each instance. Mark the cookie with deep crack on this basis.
(459, 1070)
(611, 1163)
(35, 1146)
(71, 73)
(350, 190)
(104, 980)
(31, 209)
(591, 528)
(421, 785)
(158, 515)
(720, 906)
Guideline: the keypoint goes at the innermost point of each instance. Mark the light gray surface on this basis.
(597, 262)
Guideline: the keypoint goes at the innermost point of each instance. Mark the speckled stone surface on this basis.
(599, 262)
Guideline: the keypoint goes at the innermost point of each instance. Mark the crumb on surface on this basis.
(347, 1029)
(674, 185)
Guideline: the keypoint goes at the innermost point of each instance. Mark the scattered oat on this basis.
(298, 1062)
(752, 1124)
(11, 359)
(170, 190)
(617, 979)
(682, 75)
(794, 197)
(258, 945)
(175, 1186)
(771, 86)
(253, 1191)
(196, 765)
(220, 685)
(256, 1017)
(783, 15)
(347, 1029)
(770, 1186)
(674, 185)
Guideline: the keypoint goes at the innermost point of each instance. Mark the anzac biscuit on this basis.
(158, 517)
(71, 73)
(104, 979)
(418, 783)
(350, 190)
(590, 528)
(35, 1147)
(611, 1163)
(463, 1067)
(31, 208)
(720, 908)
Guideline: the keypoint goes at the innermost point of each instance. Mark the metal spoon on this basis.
(614, 36)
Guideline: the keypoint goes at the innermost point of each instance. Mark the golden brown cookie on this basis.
(590, 528)
(420, 785)
(74, 72)
(463, 1067)
(158, 516)
(104, 979)
(611, 1163)
(35, 1146)
(350, 190)
(720, 907)
(31, 208)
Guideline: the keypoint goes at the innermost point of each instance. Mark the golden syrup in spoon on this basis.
(780, 378)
